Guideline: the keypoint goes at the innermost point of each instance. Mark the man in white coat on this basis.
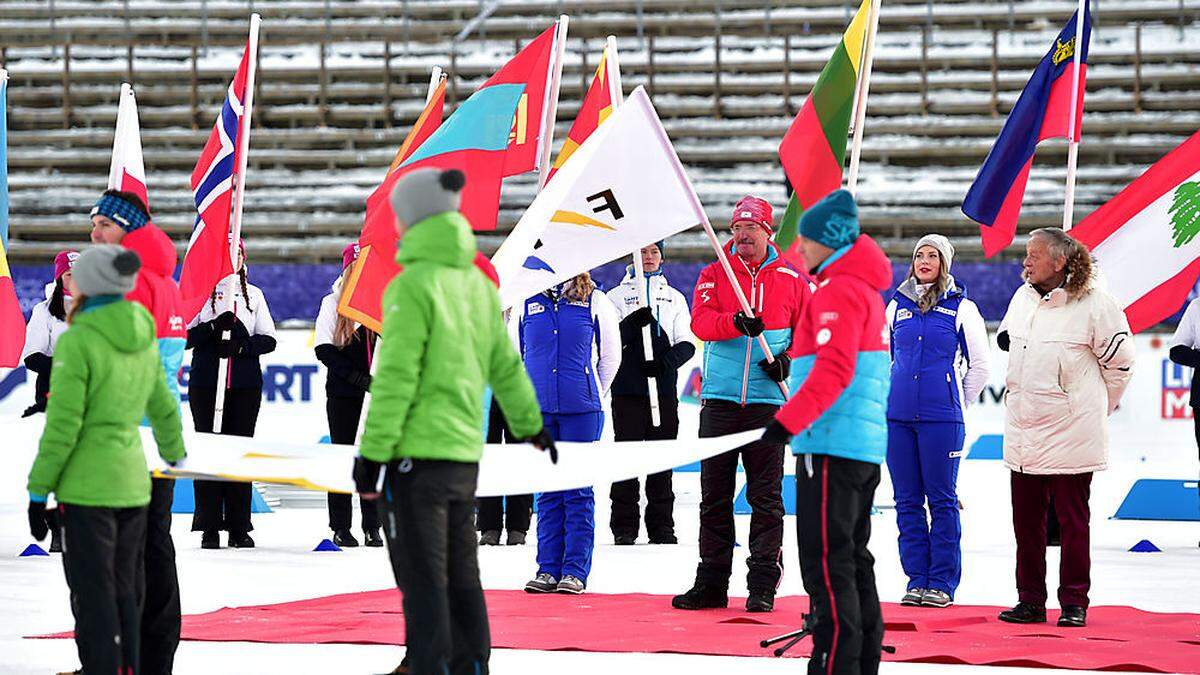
(1070, 358)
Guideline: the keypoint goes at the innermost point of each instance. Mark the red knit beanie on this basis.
(751, 209)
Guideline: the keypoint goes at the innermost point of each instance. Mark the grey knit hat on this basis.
(106, 270)
(941, 244)
(427, 192)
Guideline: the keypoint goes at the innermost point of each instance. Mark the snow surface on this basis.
(33, 595)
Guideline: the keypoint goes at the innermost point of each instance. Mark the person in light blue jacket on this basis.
(939, 350)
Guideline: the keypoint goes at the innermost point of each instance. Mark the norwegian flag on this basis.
(207, 260)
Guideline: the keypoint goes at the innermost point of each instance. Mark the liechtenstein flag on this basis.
(1042, 111)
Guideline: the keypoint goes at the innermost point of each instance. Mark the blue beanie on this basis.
(833, 221)
(124, 213)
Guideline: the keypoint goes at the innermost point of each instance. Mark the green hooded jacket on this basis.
(106, 378)
(443, 342)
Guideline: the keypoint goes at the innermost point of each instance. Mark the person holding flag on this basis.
(446, 343)
(225, 505)
(346, 348)
(666, 311)
(836, 424)
(47, 321)
(741, 391)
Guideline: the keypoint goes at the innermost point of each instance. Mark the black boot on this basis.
(1024, 613)
(344, 539)
(372, 538)
(663, 538)
(210, 539)
(1073, 616)
(240, 540)
(702, 596)
(761, 601)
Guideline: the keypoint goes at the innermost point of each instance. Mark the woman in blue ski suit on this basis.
(570, 340)
(939, 350)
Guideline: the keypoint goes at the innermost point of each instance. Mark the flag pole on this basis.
(862, 90)
(435, 78)
(1072, 130)
(737, 289)
(235, 221)
(617, 95)
(551, 112)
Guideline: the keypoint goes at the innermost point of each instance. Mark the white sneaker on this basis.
(542, 583)
(572, 585)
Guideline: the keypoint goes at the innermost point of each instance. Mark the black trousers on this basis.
(631, 422)
(343, 413)
(497, 513)
(431, 542)
(833, 524)
(160, 608)
(718, 480)
(102, 559)
(224, 505)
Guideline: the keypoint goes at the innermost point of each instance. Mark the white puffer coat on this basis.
(1070, 358)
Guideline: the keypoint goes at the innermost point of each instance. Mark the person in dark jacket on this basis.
(836, 423)
(939, 352)
(1185, 350)
(648, 306)
(346, 348)
(239, 310)
(511, 512)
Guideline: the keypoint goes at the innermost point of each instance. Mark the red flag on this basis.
(530, 68)
(127, 171)
(597, 105)
(376, 265)
(12, 321)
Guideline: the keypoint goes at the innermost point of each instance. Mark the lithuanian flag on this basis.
(12, 322)
(597, 105)
(813, 150)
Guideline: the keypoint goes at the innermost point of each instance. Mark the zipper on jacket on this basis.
(749, 340)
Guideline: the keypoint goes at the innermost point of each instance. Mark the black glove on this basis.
(543, 441)
(224, 321)
(361, 380)
(776, 434)
(641, 316)
(37, 407)
(751, 326)
(39, 525)
(228, 349)
(52, 520)
(779, 369)
(653, 368)
(366, 475)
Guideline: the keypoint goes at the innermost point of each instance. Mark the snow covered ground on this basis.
(33, 595)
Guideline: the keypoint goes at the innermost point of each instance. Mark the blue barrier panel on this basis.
(987, 446)
(1157, 499)
(185, 499)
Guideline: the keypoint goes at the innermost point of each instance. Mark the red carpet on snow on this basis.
(1117, 638)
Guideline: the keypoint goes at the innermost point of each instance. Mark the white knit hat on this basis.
(941, 244)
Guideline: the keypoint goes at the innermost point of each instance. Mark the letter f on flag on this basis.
(1042, 111)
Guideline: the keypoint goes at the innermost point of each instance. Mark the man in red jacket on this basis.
(740, 391)
(121, 218)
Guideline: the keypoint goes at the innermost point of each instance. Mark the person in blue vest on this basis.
(939, 348)
(570, 340)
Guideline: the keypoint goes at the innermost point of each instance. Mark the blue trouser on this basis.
(566, 522)
(923, 458)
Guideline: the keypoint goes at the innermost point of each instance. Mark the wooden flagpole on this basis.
(1072, 130)
(235, 220)
(861, 91)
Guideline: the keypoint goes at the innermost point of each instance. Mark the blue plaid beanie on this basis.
(124, 213)
(833, 221)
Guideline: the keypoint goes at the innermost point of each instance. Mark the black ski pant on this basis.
(160, 608)
(102, 559)
(224, 505)
(833, 524)
(343, 413)
(631, 422)
(497, 513)
(428, 508)
(764, 490)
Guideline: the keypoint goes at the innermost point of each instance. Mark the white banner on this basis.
(623, 189)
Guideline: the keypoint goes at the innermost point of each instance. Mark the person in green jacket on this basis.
(443, 342)
(106, 377)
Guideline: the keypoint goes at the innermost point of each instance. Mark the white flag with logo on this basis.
(623, 189)
(127, 171)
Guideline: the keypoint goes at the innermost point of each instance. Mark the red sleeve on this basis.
(837, 319)
(143, 294)
(709, 322)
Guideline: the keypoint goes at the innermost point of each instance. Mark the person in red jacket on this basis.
(836, 422)
(741, 391)
(122, 218)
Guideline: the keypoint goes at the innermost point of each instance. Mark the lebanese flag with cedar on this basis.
(1145, 239)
